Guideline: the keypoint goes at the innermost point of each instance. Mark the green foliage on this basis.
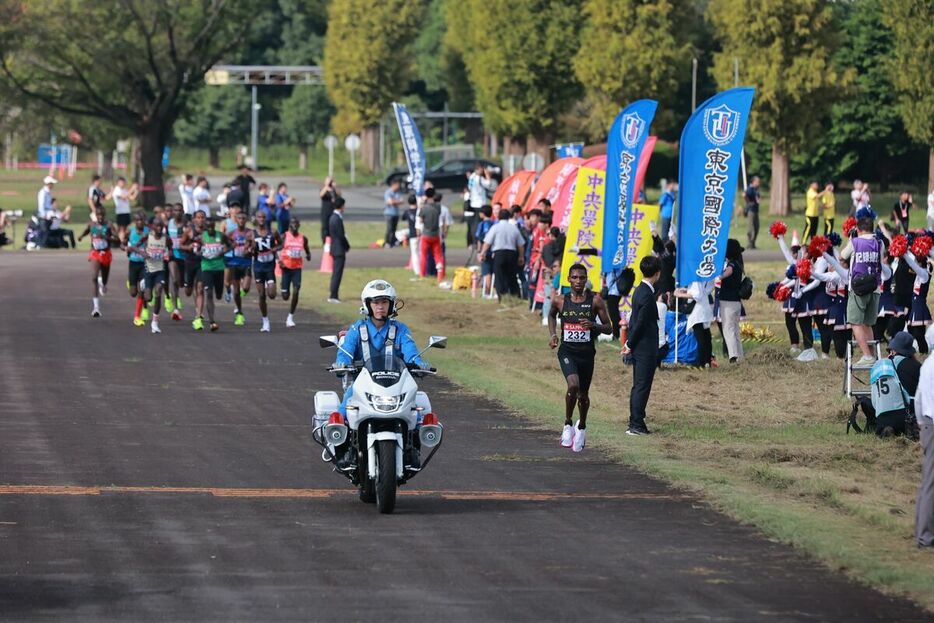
(215, 117)
(366, 58)
(518, 59)
(306, 112)
(912, 66)
(785, 49)
(631, 50)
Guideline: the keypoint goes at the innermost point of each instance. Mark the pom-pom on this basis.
(782, 293)
(849, 225)
(835, 239)
(791, 272)
(866, 212)
(818, 246)
(898, 246)
(778, 229)
(803, 270)
(921, 246)
(771, 288)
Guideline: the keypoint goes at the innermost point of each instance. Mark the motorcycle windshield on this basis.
(383, 373)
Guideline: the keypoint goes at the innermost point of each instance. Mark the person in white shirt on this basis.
(924, 413)
(700, 318)
(44, 208)
(122, 198)
(931, 210)
(222, 201)
(201, 196)
(186, 190)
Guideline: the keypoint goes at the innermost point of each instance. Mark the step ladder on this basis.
(856, 382)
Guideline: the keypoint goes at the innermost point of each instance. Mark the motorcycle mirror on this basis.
(437, 341)
(327, 341)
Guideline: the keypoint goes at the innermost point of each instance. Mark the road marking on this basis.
(236, 492)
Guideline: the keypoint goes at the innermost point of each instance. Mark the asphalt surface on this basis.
(172, 478)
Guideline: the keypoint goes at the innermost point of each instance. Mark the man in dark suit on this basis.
(642, 343)
(339, 248)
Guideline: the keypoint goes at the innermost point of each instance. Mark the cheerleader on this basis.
(919, 315)
(835, 282)
(778, 229)
(821, 271)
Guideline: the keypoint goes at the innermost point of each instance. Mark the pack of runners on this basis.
(172, 253)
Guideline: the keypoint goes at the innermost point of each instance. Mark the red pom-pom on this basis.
(921, 246)
(782, 293)
(778, 229)
(803, 270)
(849, 225)
(898, 246)
(818, 246)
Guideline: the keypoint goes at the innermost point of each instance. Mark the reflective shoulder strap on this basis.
(390, 341)
(365, 341)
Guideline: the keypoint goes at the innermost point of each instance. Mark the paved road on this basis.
(172, 478)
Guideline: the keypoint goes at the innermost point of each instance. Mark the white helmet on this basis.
(377, 289)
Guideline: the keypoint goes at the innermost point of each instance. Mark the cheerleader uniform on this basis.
(835, 319)
(919, 315)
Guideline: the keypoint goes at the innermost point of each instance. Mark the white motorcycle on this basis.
(389, 422)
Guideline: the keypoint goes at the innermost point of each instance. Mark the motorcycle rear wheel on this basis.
(386, 477)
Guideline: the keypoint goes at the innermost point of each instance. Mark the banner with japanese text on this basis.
(413, 148)
(708, 172)
(585, 229)
(623, 152)
(639, 245)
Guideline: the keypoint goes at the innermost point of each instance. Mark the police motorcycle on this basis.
(389, 421)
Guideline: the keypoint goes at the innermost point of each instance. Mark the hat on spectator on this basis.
(49, 180)
(902, 344)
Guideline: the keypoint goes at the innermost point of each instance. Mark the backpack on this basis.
(889, 399)
(746, 288)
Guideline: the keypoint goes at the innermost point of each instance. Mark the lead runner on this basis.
(578, 311)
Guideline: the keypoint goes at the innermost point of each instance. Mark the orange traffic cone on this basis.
(327, 262)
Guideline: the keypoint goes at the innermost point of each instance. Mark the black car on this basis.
(450, 174)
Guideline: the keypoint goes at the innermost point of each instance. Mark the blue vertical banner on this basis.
(412, 146)
(708, 172)
(624, 148)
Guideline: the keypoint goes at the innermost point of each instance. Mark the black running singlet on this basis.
(576, 340)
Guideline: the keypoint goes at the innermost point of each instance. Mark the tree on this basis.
(306, 113)
(912, 24)
(631, 50)
(367, 63)
(216, 116)
(135, 76)
(518, 59)
(785, 49)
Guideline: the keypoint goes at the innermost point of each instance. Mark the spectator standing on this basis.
(44, 208)
(700, 318)
(924, 413)
(486, 263)
(235, 195)
(221, 200)
(411, 221)
(931, 210)
(642, 343)
(96, 195)
(730, 304)
(812, 210)
(328, 194)
(244, 182)
(284, 203)
(339, 248)
(750, 209)
(666, 206)
(392, 199)
(122, 198)
(265, 203)
(865, 254)
(429, 242)
(901, 212)
(201, 196)
(505, 242)
(829, 205)
(855, 196)
(186, 192)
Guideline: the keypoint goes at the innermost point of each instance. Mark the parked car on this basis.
(450, 174)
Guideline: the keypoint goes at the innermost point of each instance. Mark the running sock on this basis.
(97, 303)
(139, 307)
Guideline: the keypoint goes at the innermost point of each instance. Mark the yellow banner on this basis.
(585, 229)
(640, 244)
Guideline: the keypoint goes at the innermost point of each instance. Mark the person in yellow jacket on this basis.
(829, 204)
(812, 209)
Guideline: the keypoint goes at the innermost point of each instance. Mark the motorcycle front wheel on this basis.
(367, 485)
(386, 476)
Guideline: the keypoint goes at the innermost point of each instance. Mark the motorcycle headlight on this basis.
(384, 404)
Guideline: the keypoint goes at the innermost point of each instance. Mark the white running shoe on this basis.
(290, 322)
(96, 313)
(794, 350)
(580, 438)
(808, 354)
(334, 301)
(866, 360)
(265, 328)
(567, 436)
(155, 327)
(824, 356)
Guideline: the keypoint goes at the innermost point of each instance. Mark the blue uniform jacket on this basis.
(404, 345)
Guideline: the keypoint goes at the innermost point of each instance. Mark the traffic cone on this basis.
(327, 262)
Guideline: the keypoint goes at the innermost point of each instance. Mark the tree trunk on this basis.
(931, 171)
(214, 157)
(779, 197)
(368, 156)
(152, 143)
(303, 158)
(539, 144)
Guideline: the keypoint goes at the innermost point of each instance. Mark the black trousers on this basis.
(704, 344)
(810, 228)
(506, 270)
(327, 209)
(643, 373)
(337, 274)
(471, 228)
(612, 308)
(391, 223)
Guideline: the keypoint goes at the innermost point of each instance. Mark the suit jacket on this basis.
(643, 322)
(339, 244)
